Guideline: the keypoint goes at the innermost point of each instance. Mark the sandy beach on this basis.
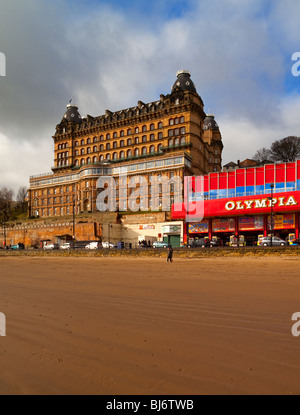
(142, 326)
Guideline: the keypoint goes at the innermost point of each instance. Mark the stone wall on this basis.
(108, 226)
(33, 234)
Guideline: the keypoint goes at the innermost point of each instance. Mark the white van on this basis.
(93, 246)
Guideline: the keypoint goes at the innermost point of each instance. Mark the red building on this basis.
(250, 202)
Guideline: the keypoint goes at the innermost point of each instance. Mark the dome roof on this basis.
(184, 81)
(210, 123)
(72, 114)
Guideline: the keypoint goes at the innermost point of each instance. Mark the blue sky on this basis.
(163, 9)
(110, 54)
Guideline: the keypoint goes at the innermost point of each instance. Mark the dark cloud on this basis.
(107, 56)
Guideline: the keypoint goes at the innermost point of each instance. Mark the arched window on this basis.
(122, 133)
(76, 162)
(182, 119)
(76, 153)
(144, 129)
(115, 135)
(101, 137)
(59, 146)
(152, 137)
(89, 160)
(144, 151)
(95, 140)
(152, 149)
(160, 125)
(76, 144)
(108, 157)
(122, 155)
(115, 156)
(89, 150)
(152, 127)
(95, 159)
(95, 149)
(129, 153)
(107, 136)
(129, 131)
(101, 158)
(137, 130)
(177, 142)
(82, 162)
(82, 142)
(144, 139)
(108, 146)
(82, 151)
(115, 144)
(101, 147)
(160, 148)
(171, 143)
(160, 136)
(136, 152)
(122, 143)
(129, 142)
(89, 141)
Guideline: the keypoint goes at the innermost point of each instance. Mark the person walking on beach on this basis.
(170, 255)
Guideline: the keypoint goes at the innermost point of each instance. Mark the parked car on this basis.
(275, 241)
(107, 245)
(201, 243)
(51, 247)
(93, 246)
(159, 244)
(216, 242)
(18, 247)
(67, 246)
(81, 244)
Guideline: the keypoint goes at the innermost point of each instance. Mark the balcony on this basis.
(177, 146)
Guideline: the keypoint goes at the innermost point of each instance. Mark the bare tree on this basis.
(22, 198)
(262, 155)
(286, 150)
(6, 199)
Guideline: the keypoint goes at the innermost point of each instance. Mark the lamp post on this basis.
(5, 217)
(4, 233)
(272, 190)
(74, 220)
(24, 238)
(109, 228)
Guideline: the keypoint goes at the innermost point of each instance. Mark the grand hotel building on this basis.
(172, 137)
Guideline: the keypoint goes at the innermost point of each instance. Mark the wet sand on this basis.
(115, 326)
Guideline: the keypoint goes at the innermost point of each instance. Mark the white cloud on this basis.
(21, 159)
(244, 137)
